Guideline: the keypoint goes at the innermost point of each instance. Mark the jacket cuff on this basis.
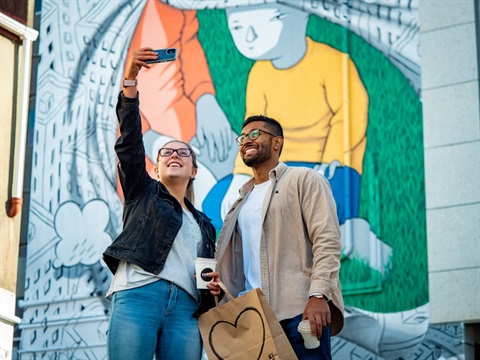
(320, 286)
(127, 100)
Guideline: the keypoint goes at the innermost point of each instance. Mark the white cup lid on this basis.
(304, 326)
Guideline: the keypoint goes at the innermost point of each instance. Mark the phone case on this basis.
(169, 54)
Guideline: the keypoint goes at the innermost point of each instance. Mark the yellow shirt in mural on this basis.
(321, 103)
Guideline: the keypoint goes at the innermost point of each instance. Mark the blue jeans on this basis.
(154, 319)
(324, 352)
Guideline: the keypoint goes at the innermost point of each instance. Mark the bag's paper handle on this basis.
(224, 288)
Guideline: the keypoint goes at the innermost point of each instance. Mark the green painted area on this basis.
(392, 189)
(228, 68)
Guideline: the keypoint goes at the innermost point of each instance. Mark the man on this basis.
(282, 235)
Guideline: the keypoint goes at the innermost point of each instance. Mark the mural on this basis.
(343, 77)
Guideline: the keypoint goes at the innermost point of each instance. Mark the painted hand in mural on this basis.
(332, 167)
(213, 128)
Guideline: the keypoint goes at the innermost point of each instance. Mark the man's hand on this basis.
(318, 314)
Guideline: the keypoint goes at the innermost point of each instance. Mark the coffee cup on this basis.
(202, 267)
(310, 341)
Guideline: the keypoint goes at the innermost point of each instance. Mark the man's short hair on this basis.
(274, 125)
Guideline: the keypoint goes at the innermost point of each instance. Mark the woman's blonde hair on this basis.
(189, 193)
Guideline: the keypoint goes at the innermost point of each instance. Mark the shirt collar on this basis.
(275, 174)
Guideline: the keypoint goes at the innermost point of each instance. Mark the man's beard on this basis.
(262, 155)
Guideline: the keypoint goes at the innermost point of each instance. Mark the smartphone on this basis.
(169, 54)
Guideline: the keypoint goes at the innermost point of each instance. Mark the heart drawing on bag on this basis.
(224, 336)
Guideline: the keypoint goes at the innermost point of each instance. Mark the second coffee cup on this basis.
(310, 341)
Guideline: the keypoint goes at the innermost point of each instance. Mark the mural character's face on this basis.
(258, 151)
(263, 32)
(177, 165)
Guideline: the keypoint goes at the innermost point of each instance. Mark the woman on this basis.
(155, 302)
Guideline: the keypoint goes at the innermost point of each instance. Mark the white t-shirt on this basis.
(250, 225)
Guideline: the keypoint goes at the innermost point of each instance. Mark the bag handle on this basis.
(224, 288)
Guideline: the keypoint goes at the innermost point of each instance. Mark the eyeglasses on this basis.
(252, 135)
(183, 152)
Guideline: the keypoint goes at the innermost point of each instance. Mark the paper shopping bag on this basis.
(244, 328)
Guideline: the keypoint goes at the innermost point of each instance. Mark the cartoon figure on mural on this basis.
(317, 93)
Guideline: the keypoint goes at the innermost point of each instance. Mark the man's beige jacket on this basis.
(300, 246)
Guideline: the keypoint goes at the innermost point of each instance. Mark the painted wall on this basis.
(349, 102)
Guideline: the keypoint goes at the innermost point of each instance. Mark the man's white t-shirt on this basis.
(250, 225)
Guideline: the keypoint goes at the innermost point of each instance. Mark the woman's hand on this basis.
(213, 285)
(137, 60)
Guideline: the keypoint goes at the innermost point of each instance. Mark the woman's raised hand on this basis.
(137, 60)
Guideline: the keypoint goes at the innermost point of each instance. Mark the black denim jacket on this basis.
(152, 217)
